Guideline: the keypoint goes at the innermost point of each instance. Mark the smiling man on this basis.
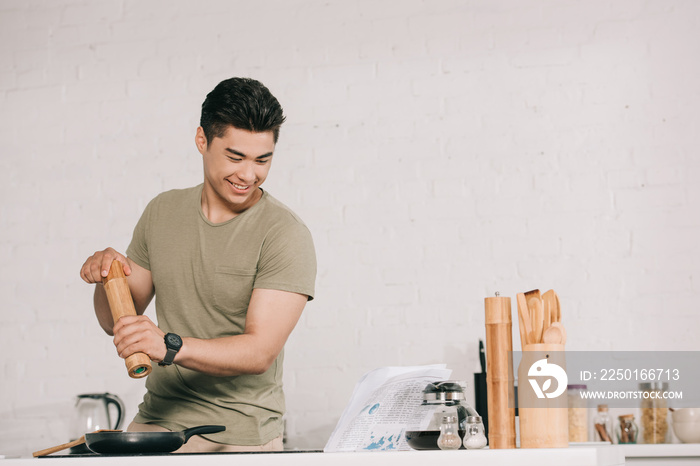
(235, 165)
(231, 269)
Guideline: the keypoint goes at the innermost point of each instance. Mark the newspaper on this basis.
(385, 401)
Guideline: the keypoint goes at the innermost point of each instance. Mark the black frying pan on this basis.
(144, 442)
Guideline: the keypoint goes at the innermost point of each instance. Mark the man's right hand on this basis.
(96, 267)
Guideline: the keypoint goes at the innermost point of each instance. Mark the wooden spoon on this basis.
(555, 334)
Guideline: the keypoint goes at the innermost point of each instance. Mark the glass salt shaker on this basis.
(474, 438)
(449, 436)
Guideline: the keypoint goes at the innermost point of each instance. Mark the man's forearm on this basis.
(227, 356)
(102, 310)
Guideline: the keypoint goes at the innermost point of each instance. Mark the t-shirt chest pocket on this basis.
(232, 288)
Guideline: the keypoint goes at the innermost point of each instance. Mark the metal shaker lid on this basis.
(448, 390)
(656, 385)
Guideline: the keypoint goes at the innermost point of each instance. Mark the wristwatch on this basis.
(173, 343)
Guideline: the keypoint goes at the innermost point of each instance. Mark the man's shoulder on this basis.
(173, 200)
(178, 195)
(276, 211)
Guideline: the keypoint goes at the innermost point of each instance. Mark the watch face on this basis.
(173, 341)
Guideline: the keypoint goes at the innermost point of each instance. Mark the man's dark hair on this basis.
(243, 103)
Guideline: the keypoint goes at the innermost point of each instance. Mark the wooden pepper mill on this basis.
(500, 390)
(122, 304)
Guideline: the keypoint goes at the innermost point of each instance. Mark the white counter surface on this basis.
(684, 454)
(575, 456)
(598, 455)
(663, 450)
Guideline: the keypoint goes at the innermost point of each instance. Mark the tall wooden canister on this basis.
(542, 397)
(499, 373)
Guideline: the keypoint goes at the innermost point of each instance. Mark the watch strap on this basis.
(169, 357)
(170, 350)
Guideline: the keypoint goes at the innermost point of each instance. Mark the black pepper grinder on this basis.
(480, 398)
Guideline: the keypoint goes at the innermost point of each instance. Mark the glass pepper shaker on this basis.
(449, 436)
(474, 438)
(627, 429)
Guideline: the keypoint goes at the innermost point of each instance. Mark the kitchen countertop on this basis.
(669, 449)
(575, 456)
(676, 454)
(600, 455)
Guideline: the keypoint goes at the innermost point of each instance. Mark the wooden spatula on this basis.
(63, 446)
(548, 305)
(521, 328)
(551, 298)
(531, 297)
(537, 317)
(534, 306)
(524, 321)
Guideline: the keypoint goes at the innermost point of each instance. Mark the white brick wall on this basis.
(439, 151)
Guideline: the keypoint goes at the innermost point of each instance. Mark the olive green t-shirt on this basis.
(204, 275)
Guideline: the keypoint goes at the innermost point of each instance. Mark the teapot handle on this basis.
(117, 402)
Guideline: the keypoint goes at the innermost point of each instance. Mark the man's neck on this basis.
(217, 210)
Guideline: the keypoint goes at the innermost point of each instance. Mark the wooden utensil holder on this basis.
(544, 422)
(121, 304)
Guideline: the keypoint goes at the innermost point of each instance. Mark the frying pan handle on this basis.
(202, 430)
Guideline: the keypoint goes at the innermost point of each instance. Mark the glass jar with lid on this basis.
(654, 412)
(627, 429)
(447, 398)
(602, 425)
(578, 413)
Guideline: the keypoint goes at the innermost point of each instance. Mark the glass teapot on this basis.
(447, 398)
(92, 412)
